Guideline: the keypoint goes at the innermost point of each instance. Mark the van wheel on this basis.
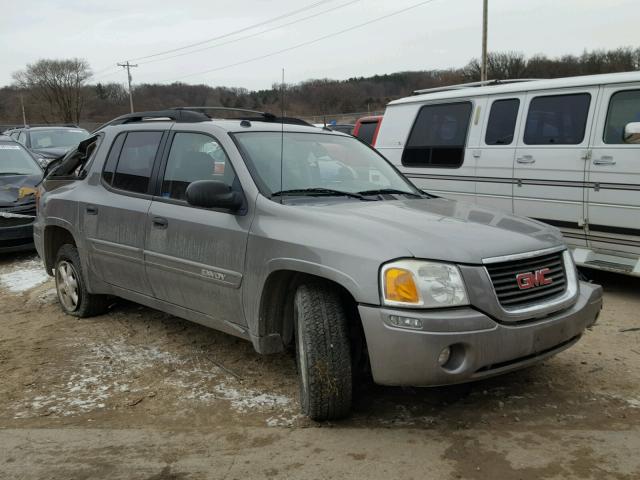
(322, 352)
(71, 288)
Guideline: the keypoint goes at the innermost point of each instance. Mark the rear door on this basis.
(114, 221)
(195, 256)
(613, 196)
(550, 165)
(496, 151)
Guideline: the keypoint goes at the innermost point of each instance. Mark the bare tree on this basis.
(59, 84)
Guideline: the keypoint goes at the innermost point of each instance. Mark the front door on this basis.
(550, 163)
(195, 256)
(613, 197)
(114, 220)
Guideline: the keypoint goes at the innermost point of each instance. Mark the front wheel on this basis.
(322, 352)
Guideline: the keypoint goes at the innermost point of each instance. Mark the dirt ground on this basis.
(139, 394)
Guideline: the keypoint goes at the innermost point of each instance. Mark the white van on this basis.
(563, 151)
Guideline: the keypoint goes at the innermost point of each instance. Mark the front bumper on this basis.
(16, 238)
(481, 347)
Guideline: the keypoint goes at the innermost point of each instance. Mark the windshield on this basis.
(14, 160)
(318, 161)
(57, 138)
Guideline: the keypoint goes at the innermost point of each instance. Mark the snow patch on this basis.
(27, 275)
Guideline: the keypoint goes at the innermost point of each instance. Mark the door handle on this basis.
(91, 210)
(526, 159)
(604, 160)
(160, 222)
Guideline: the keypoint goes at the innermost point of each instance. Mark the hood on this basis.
(10, 188)
(436, 228)
(52, 152)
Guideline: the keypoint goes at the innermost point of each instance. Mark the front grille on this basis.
(17, 221)
(510, 295)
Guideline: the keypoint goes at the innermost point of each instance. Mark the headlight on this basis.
(422, 284)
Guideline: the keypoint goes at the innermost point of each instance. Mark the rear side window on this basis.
(502, 122)
(557, 119)
(193, 157)
(367, 131)
(438, 136)
(135, 164)
(112, 159)
(624, 107)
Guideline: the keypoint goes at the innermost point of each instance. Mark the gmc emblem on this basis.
(533, 279)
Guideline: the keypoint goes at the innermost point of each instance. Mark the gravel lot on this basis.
(139, 394)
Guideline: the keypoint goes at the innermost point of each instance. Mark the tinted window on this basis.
(438, 136)
(367, 131)
(194, 156)
(624, 107)
(502, 122)
(557, 120)
(112, 159)
(136, 161)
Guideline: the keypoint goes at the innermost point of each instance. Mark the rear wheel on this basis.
(71, 288)
(322, 352)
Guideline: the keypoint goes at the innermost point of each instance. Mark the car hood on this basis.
(10, 188)
(52, 152)
(435, 228)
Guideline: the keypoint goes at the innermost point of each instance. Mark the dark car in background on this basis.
(49, 142)
(20, 172)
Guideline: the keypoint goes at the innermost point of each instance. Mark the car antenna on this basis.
(282, 136)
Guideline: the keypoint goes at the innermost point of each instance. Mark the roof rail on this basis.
(180, 116)
(251, 115)
(483, 83)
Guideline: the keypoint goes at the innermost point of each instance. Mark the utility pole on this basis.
(128, 66)
(485, 14)
(24, 116)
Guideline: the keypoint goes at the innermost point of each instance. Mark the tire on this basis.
(322, 352)
(71, 287)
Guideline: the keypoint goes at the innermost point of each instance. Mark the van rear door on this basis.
(550, 165)
(613, 193)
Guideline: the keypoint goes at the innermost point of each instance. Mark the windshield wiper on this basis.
(392, 191)
(13, 173)
(319, 192)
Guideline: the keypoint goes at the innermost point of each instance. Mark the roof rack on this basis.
(484, 83)
(251, 115)
(180, 116)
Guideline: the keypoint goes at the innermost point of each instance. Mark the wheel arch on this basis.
(54, 236)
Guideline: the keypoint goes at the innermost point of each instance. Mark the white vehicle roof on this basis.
(568, 82)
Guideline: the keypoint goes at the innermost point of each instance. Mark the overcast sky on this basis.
(438, 34)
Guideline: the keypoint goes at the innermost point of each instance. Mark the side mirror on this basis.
(213, 194)
(632, 132)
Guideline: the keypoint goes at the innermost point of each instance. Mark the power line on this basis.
(253, 34)
(250, 27)
(304, 44)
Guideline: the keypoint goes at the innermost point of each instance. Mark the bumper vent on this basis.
(519, 283)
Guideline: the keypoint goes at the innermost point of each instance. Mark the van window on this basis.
(367, 131)
(502, 122)
(438, 136)
(136, 161)
(624, 107)
(557, 119)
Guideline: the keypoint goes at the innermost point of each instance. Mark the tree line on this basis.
(55, 91)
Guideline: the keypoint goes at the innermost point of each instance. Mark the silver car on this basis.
(287, 235)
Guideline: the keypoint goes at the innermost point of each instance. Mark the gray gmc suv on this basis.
(288, 235)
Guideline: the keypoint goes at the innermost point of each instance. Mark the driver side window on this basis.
(195, 156)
